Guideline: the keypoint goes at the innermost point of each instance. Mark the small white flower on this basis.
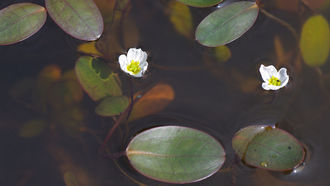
(273, 79)
(135, 63)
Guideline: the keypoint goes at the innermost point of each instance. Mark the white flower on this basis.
(135, 63)
(273, 79)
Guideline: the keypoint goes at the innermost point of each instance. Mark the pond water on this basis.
(217, 97)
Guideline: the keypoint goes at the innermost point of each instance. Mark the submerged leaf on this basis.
(227, 23)
(222, 53)
(106, 8)
(315, 41)
(70, 179)
(89, 48)
(112, 106)
(20, 21)
(269, 148)
(181, 18)
(155, 100)
(200, 3)
(79, 18)
(32, 128)
(175, 154)
(96, 78)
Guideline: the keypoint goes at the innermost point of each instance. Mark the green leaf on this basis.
(79, 18)
(175, 154)
(200, 3)
(112, 106)
(20, 21)
(32, 128)
(96, 78)
(315, 41)
(269, 148)
(227, 23)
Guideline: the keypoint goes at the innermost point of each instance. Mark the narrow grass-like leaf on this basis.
(20, 21)
(175, 154)
(200, 3)
(113, 105)
(227, 23)
(96, 78)
(79, 18)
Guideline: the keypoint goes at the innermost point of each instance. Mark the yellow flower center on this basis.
(274, 81)
(134, 67)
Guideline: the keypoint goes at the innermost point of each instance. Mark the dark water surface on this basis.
(214, 98)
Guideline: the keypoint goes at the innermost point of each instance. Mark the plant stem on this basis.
(112, 130)
(119, 121)
(282, 22)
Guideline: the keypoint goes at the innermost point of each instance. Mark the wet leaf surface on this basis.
(269, 148)
(200, 3)
(227, 23)
(175, 154)
(20, 21)
(315, 41)
(96, 78)
(112, 106)
(79, 18)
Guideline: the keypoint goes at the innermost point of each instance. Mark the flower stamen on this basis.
(134, 67)
(274, 81)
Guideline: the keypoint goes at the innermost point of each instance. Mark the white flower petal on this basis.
(131, 54)
(140, 74)
(267, 72)
(143, 56)
(284, 78)
(265, 86)
(122, 61)
(137, 55)
(144, 67)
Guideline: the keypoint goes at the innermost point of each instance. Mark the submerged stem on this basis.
(282, 22)
(119, 121)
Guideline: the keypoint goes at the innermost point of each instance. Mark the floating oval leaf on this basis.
(155, 100)
(20, 21)
(315, 41)
(175, 154)
(79, 18)
(227, 23)
(243, 137)
(200, 3)
(96, 78)
(112, 106)
(269, 148)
